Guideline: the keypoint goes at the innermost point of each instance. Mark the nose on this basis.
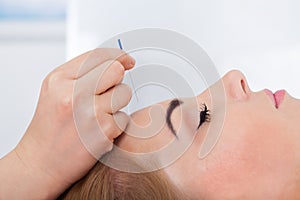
(236, 86)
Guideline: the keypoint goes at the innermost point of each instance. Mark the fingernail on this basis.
(131, 63)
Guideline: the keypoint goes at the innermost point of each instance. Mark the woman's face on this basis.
(257, 155)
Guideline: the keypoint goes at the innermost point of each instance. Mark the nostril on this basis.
(236, 85)
(243, 84)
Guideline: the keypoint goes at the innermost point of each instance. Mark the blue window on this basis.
(32, 9)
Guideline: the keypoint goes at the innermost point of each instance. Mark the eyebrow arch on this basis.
(173, 104)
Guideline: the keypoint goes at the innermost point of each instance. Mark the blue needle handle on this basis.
(131, 79)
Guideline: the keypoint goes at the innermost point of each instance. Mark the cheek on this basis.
(251, 153)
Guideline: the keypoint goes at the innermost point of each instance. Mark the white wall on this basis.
(261, 38)
(28, 51)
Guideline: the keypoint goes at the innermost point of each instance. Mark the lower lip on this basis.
(277, 97)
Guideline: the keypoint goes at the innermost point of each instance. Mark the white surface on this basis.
(28, 52)
(261, 38)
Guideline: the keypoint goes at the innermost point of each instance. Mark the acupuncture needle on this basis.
(131, 79)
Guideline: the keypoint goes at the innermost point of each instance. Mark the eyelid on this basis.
(174, 104)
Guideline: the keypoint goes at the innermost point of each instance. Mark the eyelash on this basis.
(204, 115)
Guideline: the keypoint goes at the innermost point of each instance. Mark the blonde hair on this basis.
(103, 182)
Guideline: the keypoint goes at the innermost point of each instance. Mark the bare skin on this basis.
(51, 155)
(256, 157)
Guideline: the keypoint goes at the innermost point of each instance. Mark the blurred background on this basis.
(260, 38)
(32, 43)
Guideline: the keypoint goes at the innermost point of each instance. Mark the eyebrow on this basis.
(173, 104)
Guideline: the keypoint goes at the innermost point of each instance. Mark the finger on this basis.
(111, 76)
(114, 99)
(86, 62)
(121, 120)
(113, 125)
(103, 77)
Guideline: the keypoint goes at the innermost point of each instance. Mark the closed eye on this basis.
(204, 115)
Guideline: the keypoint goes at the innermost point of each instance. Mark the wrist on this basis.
(20, 180)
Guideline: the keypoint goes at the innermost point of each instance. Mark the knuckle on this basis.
(101, 117)
(63, 109)
(126, 88)
(121, 120)
(65, 97)
(64, 105)
(108, 127)
(53, 79)
(126, 92)
(113, 70)
(118, 68)
(120, 97)
(65, 102)
(99, 114)
(109, 147)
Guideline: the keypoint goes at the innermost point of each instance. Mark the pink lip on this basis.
(277, 97)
